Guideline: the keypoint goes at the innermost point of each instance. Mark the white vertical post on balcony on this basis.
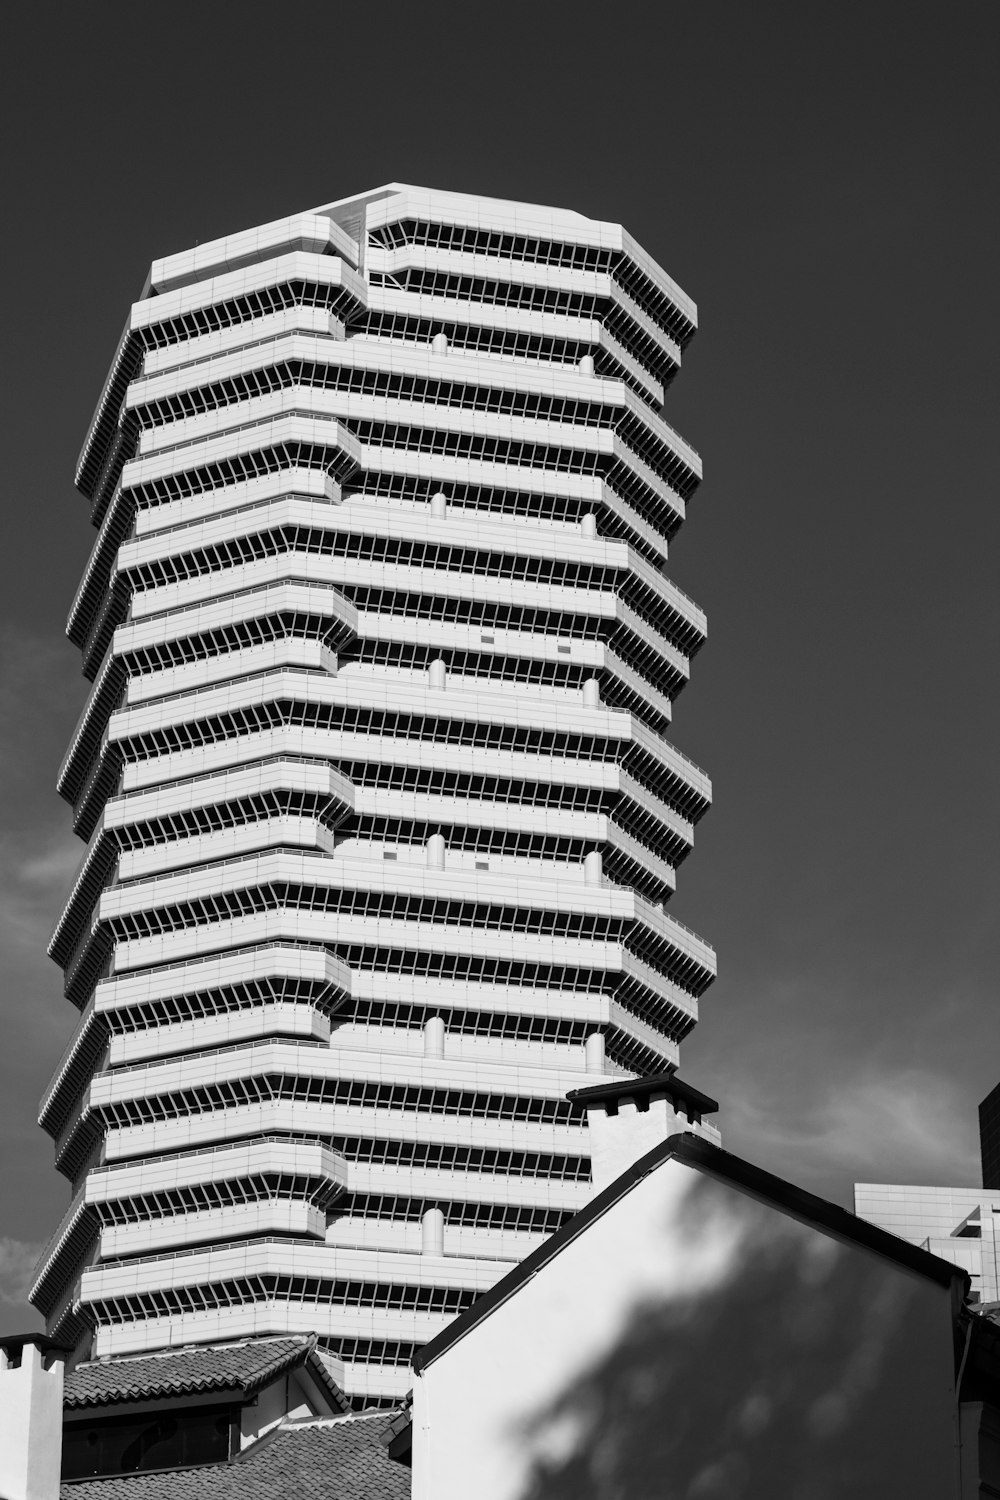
(593, 1049)
(434, 1037)
(432, 1232)
(435, 851)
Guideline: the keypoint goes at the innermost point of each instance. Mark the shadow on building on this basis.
(773, 1382)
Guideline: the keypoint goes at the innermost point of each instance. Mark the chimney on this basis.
(31, 1414)
(627, 1118)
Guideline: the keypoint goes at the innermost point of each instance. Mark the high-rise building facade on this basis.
(381, 809)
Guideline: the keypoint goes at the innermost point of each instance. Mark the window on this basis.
(130, 1444)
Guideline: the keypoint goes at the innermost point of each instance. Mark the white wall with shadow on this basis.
(693, 1343)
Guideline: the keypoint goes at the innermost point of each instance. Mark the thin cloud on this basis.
(907, 1125)
(55, 867)
(17, 1262)
(33, 885)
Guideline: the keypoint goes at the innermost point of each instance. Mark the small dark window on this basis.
(155, 1440)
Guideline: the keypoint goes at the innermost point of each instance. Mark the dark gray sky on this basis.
(823, 180)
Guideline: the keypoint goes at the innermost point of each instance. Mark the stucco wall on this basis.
(31, 1414)
(694, 1342)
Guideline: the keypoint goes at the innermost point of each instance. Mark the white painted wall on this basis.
(696, 1342)
(616, 1141)
(31, 1400)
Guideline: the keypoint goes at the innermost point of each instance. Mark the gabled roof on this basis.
(244, 1367)
(700, 1154)
(336, 1458)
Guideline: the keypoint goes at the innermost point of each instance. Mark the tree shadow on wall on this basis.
(780, 1382)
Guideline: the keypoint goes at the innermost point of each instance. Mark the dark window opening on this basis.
(130, 1444)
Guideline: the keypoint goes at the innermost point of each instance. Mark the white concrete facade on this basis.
(380, 811)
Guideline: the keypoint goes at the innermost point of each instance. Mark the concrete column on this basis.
(588, 525)
(586, 364)
(436, 674)
(591, 693)
(435, 851)
(593, 868)
(439, 506)
(434, 1037)
(432, 1232)
(593, 1049)
(439, 343)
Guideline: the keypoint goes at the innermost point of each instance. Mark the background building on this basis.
(959, 1223)
(382, 816)
(989, 1139)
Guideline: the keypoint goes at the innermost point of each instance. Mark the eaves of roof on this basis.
(643, 1088)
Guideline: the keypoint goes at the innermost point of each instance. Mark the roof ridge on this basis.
(245, 1365)
(290, 1423)
(695, 1152)
(171, 1351)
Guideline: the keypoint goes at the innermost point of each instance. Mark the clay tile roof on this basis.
(335, 1458)
(243, 1367)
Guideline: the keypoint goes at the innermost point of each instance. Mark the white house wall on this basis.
(695, 1340)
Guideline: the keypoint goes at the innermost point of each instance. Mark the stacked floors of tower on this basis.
(381, 810)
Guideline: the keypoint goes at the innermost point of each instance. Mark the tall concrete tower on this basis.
(381, 811)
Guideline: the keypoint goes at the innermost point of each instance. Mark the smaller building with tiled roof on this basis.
(242, 1368)
(204, 1405)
